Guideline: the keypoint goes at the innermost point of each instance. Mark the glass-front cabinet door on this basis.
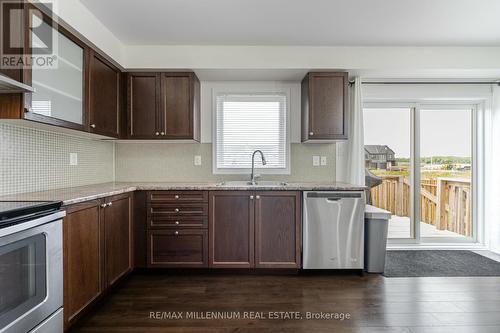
(59, 88)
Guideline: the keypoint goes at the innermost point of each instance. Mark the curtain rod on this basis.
(422, 82)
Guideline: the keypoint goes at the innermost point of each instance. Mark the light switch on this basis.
(197, 160)
(73, 159)
(315, 160)
(323, 160)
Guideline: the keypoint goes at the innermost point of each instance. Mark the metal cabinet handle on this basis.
(177, 197)
(251, 197)
(177, 210)
(177, 222)
(157, 133)
(257, 197)
(110, 204)
(176, 233)
(311, 133)
(162, 133)
(103, 205)
(92, 125)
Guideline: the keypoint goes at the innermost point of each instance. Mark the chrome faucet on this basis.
(252, 176)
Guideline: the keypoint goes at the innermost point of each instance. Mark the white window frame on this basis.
(477, 108)
(255, 90)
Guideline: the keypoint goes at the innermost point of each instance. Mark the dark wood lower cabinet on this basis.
(118, 237)
(178, 248)
(82, 258)
(177, 229)
(97, 251)
(246, 229)
(277, 229)
(254, 229)
(231, 226)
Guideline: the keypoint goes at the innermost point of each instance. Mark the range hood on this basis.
(8, 86)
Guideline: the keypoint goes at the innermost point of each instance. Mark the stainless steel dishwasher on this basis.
(333, 230)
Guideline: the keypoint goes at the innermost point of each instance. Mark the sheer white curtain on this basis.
(350, 154)
(492, 174)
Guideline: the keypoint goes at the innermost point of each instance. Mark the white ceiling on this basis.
(301, 22)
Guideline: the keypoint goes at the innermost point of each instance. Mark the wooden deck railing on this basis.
(444, 202)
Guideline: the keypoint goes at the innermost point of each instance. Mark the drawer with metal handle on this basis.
(178, 196)
(178, 248)
(168, 222)
(183, 209)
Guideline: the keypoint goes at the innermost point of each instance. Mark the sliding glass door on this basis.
(388, 162)
(421, 159)
(446, 162)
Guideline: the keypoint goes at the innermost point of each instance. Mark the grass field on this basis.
(426, 174)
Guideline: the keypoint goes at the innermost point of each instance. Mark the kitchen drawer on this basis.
(178, 248)
(200, 222)
(178, 196)
(157, 210)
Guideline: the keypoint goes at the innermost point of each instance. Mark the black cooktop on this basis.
(13, 212)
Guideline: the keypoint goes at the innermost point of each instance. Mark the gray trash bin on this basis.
(376, 225)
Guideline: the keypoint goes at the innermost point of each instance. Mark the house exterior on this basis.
(379, 157)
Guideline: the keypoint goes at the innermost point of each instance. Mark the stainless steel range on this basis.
(31, 267)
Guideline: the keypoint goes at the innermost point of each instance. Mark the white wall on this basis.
(83, 21)
(312, 57)
(434, 92)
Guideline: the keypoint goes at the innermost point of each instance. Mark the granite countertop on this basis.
(78, 194)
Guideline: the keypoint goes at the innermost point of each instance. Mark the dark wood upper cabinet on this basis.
(143, 104)
(13, 37)
(83, 259)
(117, 217)
(277, 229)
(164, 106)
(180, 93)
(231, 229)
(104, 96)
(59, 97)
(325, 106)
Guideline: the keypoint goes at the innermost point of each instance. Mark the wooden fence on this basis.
(444, 202)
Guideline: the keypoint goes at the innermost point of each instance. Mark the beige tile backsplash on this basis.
(36, 160)
(175, 162)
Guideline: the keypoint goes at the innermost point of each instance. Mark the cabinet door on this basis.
(178, 248)
(277, 229)
(59, 90)
(326, 102)
(177, 108)
(143, 105)
(231, 225)
(117, 237)
(82, 258)
(104, 88)
(13, 40)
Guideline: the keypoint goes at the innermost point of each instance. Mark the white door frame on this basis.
(477, 179)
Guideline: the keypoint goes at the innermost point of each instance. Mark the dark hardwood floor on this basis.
(374, 303)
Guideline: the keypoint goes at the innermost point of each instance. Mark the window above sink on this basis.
(249, 120)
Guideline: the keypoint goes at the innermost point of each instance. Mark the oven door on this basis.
(30, 276)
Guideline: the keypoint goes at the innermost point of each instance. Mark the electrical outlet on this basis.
(197, 160)
(315, 160)
(73, 159)
(323, 160)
